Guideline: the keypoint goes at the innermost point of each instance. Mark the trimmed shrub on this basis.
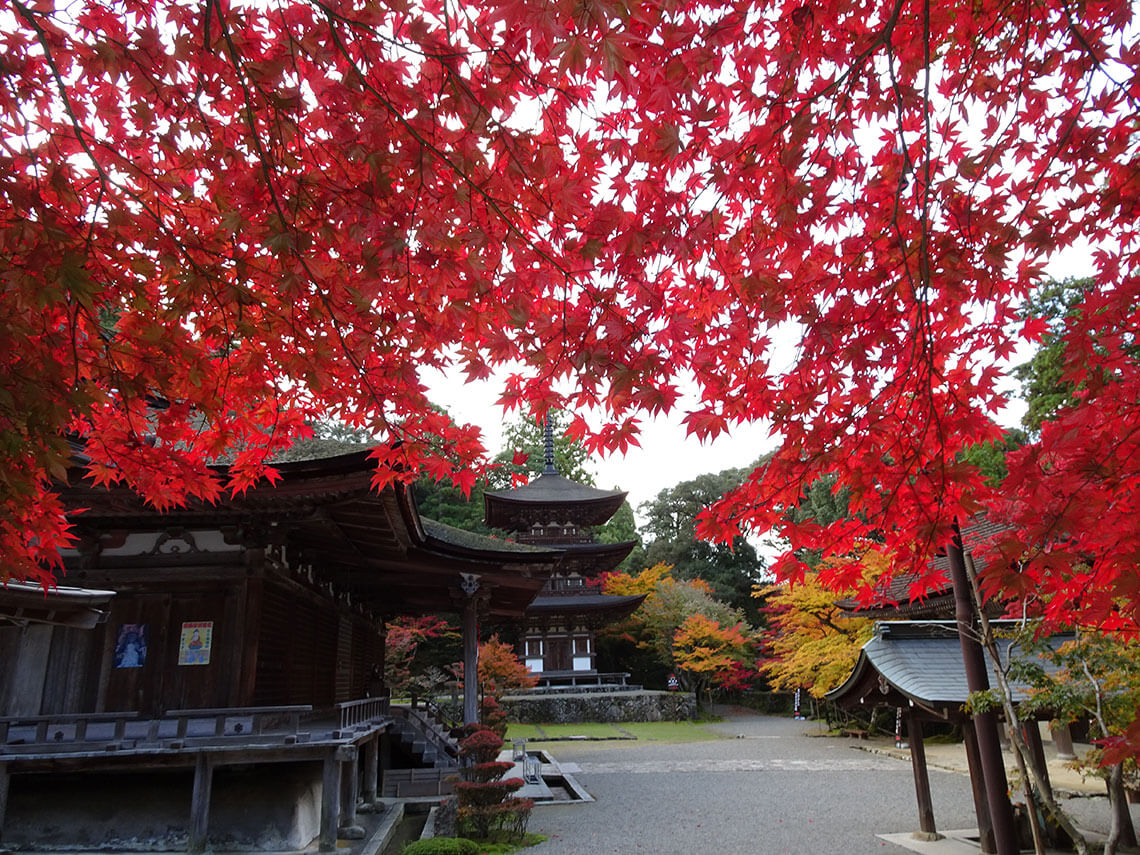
(489, 771)
(482, 746)
(485, 802)
(510, 817)
(485, 793)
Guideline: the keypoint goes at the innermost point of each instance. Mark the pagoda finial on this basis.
(548, 443)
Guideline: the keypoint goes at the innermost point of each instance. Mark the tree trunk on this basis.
(1041, 786)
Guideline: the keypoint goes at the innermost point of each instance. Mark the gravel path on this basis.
(773, 787)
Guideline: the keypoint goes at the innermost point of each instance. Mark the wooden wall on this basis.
(311, 650)
(275, 640)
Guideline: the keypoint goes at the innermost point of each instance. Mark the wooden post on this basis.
(371, 768)
(1032, 734)
(977, 785)
(200, 803)
(921, 776)
(349, 785)
(330, 802)
(992, 764)
(470, 586)
(1063, 741)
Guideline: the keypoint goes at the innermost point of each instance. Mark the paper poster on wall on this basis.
(130, 646)
(194, 644)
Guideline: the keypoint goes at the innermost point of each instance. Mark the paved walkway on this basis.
(774, 786)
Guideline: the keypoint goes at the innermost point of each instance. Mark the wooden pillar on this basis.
(921, 776)
(5, 778)
(992, 763)
(1032, 734)
(199, 838)
(977, 785)
(470, 649)
(349, 790)
(330, 803)
(1063, 740)
(371, 768)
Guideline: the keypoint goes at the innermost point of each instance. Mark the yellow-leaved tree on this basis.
(810, 642)
(676, 605)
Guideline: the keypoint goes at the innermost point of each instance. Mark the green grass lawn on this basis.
(647, 731)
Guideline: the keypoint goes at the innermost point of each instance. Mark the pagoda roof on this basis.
(612, 606)
(550, 498)
(324, 513)
(590, 559)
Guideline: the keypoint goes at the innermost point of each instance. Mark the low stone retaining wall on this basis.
(600, 706)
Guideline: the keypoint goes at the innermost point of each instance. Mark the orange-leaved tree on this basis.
(708, 655)
(668, 605)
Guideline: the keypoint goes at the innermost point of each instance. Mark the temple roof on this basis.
(325, 514)
(894, 599)
(550, 498)
(610, 605)
(23, 603)
(590, 559)
(918, 662)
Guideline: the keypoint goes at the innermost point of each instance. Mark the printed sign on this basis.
(194, 644)
(130, 646)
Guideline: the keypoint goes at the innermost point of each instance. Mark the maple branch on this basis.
(1076, 33)
(77, 128)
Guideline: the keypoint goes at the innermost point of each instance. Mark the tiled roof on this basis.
(895, 597)
(550, 498)
(923, 661)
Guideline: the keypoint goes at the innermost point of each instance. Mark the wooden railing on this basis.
(550, 679)
(287, 718)
(352, 713)
(71, 727)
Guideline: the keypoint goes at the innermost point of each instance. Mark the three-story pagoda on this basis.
(553, 511)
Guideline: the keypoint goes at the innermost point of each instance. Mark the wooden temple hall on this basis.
(212, 676)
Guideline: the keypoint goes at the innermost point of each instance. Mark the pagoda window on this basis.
(581, 645)
(533, 647)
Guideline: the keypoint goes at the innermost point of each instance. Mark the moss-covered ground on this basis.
(649, 731)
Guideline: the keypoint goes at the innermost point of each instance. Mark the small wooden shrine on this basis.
(916, 667)
(556, 513)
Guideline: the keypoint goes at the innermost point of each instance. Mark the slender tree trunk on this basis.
(1028, 771)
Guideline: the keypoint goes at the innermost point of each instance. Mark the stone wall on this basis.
(578, 707)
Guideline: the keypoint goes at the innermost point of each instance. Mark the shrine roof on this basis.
(327, 514)
(921, 661)
(550, 498)
(464, 539)
(23, 603)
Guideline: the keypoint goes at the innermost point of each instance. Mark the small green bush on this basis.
(442, 846)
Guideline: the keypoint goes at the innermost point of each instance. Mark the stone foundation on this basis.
(579, 707)
(273, 807)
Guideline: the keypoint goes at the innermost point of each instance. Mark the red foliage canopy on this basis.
(262, 213)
